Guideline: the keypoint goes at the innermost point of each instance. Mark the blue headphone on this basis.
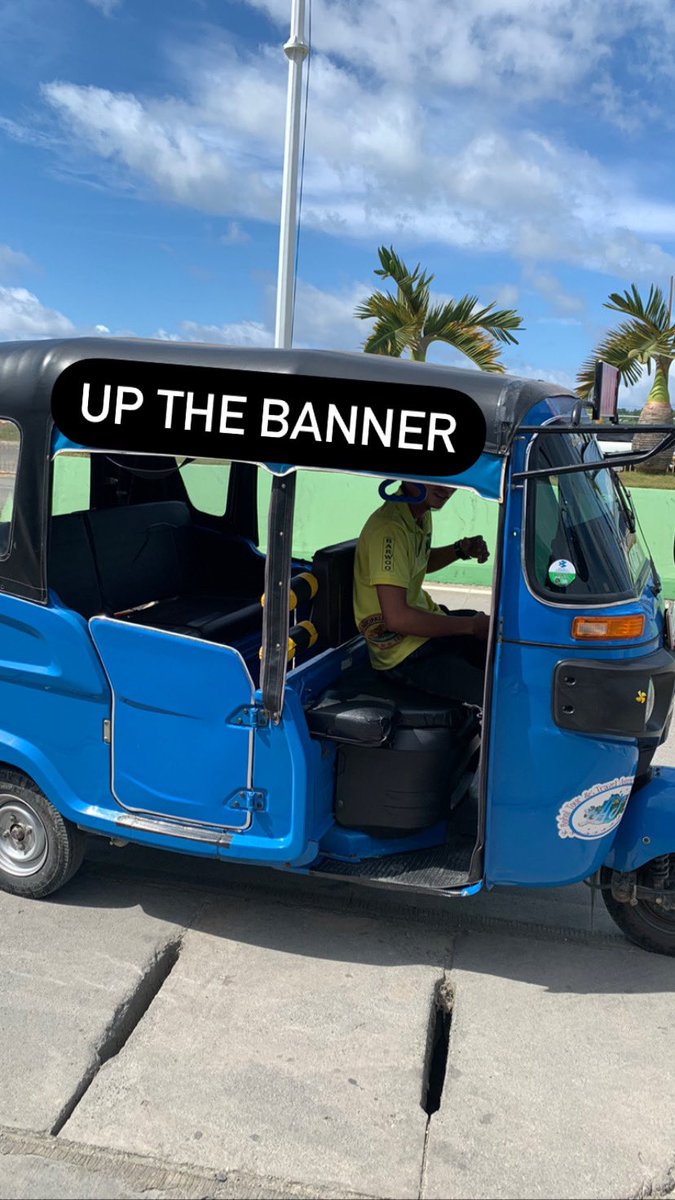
(384, 495)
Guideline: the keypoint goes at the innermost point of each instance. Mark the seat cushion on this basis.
(199, 617)
(332, 610)
(362, 721)
(142, 552)
(415, 709)
(71, 569)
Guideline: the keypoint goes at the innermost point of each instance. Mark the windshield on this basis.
(582, 541)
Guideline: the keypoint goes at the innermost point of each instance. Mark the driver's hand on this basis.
(477, 548)
(481, 626)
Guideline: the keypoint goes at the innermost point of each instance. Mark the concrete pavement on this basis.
(180, 1029)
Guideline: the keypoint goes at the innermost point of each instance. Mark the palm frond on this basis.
(413, 285)
(387, 337)
(499, 322)
(469, 340)
(394, 328)
(464, 313)
(409, 320)
(651, 315)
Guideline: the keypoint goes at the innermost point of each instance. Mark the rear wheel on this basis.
(647, 922)
(39, 849)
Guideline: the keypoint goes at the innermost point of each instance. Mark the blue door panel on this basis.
(540, 776)
(555, 798)
(297, 782)
(173, 751)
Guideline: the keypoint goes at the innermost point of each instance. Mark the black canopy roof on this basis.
(28, 371)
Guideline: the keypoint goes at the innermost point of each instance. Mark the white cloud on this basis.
(325, 320)
(238, 333)
(234, 235)
(561, 301)
(165, 145)
(511, 48)
(22, 315)
(12, 262)
(376, 179)
(399, 147)
(636, 395)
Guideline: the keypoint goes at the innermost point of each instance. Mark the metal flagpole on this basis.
(296, 51)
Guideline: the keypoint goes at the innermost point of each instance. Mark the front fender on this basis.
(648, 825)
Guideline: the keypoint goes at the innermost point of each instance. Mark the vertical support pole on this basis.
(276, 615)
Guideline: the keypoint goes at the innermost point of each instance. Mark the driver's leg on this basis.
(453, 667)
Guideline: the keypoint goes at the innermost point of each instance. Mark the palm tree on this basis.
(645, 339)
(410, 321)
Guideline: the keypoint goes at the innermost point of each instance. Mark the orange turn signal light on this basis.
(598, 629)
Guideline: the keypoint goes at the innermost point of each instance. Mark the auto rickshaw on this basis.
(165, 681)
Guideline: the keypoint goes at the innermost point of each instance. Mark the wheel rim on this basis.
(654, 914)
(23, 838)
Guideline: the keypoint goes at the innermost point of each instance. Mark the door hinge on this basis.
(250, 799)
(250, 716)
(107, 734)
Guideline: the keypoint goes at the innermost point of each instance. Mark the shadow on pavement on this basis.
(339, 922)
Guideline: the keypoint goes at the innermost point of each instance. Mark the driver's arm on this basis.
(470, 547)
(401, 617)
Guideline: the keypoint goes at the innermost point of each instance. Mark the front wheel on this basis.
(39, 849)
(647, 923)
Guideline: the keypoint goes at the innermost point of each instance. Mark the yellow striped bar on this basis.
(303, 588)
(301, 637)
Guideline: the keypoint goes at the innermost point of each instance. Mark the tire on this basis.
(39, 849)
(643, 923)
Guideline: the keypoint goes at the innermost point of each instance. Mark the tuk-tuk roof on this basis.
(28, 371)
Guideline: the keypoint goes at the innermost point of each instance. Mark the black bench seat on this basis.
(149, 564)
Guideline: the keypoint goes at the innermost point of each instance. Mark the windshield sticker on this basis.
(596, 812)
(267, 416)
(562, 572)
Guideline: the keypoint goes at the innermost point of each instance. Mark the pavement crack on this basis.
(435, 1060)
(657, 1189)
(438, 1042)
(124, 1020)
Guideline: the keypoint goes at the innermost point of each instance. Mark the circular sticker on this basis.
(562, 572)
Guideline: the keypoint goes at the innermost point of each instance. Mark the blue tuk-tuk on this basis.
(164, 681)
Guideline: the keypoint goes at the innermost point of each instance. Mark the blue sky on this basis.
(521, 151)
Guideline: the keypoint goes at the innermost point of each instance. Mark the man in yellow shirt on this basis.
(398, 619)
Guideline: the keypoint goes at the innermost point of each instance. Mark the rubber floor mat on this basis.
(438, 867)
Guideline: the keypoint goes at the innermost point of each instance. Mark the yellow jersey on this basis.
(393, 548)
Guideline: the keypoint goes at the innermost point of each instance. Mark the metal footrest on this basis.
(438, 868)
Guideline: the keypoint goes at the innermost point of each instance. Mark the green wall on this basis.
(656, 514)
(332, 508)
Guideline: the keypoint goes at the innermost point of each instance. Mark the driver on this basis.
(414, 640)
